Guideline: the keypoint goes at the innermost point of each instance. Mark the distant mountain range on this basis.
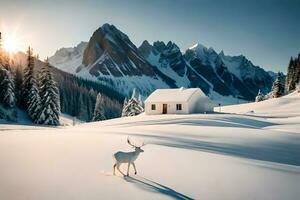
(111, 59)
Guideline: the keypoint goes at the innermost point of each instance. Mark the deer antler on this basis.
(143, 144)
(129, 142)
(133, 145)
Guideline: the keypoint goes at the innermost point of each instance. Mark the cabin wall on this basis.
(171, 108)
(157, 111)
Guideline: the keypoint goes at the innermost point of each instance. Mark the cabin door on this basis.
(165, 108)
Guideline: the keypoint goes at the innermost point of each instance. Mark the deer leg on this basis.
(114, 169)
(134, 168)
(118, 168)
(128, 169)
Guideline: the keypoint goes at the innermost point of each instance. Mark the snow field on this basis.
(248, 155)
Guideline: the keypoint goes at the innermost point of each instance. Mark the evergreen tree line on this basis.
(78, 97)
(44, 91)
(36, 93)
(284, 85)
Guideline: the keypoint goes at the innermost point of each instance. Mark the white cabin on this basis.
(177, 101)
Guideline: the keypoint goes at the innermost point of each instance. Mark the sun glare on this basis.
(10, 44)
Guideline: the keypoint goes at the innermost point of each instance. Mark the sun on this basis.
(10, 44)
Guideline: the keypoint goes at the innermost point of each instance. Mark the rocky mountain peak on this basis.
(146, 48)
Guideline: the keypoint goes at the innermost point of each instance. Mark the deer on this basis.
(127, 157)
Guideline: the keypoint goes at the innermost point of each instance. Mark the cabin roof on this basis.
(172, 95)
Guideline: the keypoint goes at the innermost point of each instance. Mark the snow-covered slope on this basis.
(200, 156)
(289, 104)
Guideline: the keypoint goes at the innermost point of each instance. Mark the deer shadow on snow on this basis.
(143, 183)
(152, 186)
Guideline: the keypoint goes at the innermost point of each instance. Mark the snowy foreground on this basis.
(252, 152)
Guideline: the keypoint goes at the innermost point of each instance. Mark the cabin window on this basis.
(153, 107)
(178, 106)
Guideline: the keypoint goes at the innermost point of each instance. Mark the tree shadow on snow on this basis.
(229, 121)
(152, 186)
(271, 151)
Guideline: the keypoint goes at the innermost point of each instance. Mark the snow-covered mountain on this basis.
(112, 59)
(69, 59)
(234, 75)
(169, 60)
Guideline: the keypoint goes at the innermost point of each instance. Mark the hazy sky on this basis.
(265, 31)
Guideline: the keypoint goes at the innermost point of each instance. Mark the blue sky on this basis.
(265, 31)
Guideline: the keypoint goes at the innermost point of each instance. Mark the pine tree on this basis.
(99, 112)
(4, 56)
(1, 49)
(18, 86)
(50, 111)
(133, 106)
(82, 106)
(29, 78)
(133, 93)
(124, 106)
(293, 75)
(7, 88)
(140, 101)
(7, 85)
(278, 87)
(31, 97)
(34, 102)
(298, 87)
(260, 97)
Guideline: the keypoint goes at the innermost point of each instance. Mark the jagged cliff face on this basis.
(110, 52)
(234, 75)
(112, 59)
(170, 61)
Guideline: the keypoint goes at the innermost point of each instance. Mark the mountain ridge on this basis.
(112, 59)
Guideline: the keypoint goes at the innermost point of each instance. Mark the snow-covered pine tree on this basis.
(4, 56)
(7, 88)
(298, 87)
(123, 109)
(260, 97)
(1, 49)
(34, 102)
(31, 98)
(133, 106)
(278, 87)
(18, 86)
(140, 101)
(50, 107)
(293, 74)
(133, 93)
(99, 112)
(29, 77)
